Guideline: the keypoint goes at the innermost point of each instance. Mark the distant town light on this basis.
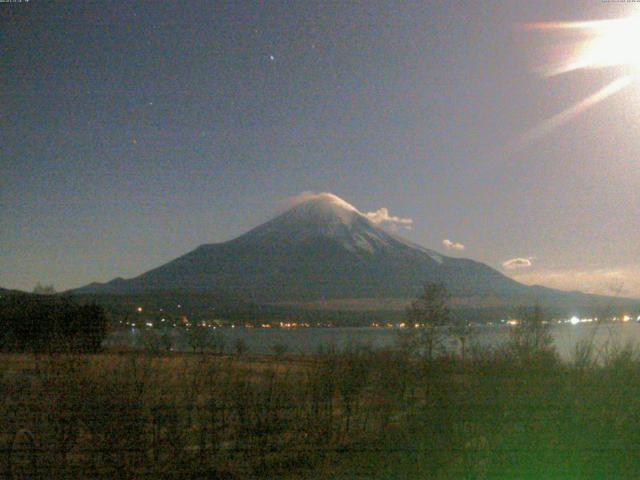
(139, 309)
(574, 320)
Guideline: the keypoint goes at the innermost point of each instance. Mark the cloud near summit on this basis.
(514, 263)
(449, 245)
(330, 197)
(380, 216)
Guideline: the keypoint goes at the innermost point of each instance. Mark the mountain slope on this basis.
(322, 249)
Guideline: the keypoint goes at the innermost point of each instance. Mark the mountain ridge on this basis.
(320, 250)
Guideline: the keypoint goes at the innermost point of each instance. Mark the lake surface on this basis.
(312, 340)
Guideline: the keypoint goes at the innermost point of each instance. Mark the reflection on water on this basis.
(312, 340)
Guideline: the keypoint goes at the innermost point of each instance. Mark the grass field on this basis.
(358, 414)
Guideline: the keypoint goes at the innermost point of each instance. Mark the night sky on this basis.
(132, 132)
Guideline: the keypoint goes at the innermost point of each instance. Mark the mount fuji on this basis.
(325, 250)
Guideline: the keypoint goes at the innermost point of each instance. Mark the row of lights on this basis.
(512, 322)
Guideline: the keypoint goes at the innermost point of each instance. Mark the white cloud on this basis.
(449, 245)
(514, 263)
(382, 216)
(306, 196)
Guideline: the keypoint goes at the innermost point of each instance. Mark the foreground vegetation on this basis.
(514, 413)
(48, 323)
(421, 410)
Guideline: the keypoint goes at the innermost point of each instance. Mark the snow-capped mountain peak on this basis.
(325, 207)
(321, 248)
(325, 216)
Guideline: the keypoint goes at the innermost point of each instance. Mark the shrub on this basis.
(48, 323)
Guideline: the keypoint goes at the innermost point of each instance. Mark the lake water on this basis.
(311, 340)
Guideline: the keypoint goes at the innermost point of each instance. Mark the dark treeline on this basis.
(39, 323)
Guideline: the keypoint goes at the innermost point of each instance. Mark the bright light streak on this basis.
(574, 320)
(550, 124)
(580, 46)
(596, 44)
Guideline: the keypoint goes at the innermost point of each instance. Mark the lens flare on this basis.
(591, 45)
(550, 124)
(585, 46)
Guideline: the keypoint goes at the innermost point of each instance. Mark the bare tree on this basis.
(463, 332)
(426, 317)
(531, 336)
(198, 338)
(41, 289)
(240, 346)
